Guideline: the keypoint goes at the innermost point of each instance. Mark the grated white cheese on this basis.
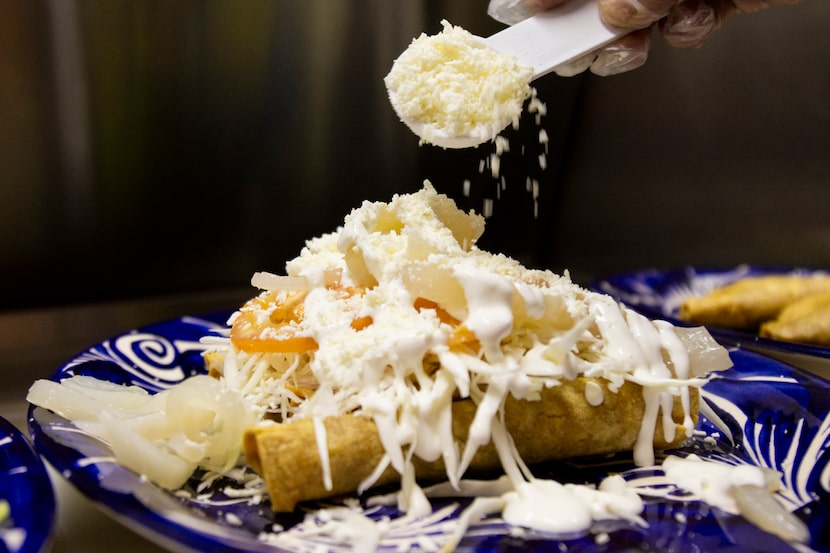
(487, 208)
(453, 90)
(543, 138)
(493, 160)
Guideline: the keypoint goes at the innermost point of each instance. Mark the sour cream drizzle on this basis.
(489, 303)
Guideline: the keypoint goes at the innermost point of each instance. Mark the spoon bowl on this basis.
(542, 42)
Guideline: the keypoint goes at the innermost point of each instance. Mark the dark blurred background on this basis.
(153, 147)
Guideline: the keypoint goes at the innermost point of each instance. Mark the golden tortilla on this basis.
(562, 424)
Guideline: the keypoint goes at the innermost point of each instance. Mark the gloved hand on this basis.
(682, 23)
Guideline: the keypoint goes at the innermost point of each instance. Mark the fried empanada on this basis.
(747, 303)
(805, 321)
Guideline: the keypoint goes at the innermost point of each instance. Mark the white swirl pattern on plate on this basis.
(151, 359)
(760, 412)
(800, 458)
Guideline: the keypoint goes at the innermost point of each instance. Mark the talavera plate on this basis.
(27, 491)
(760, 412)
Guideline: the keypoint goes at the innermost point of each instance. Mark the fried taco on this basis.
(395, 350)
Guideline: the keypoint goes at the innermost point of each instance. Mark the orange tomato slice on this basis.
(443, 315)
(361, 322)
(279, 334)
(462, 337)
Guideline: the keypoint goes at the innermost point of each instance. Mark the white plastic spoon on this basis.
(543, 42)
(555, 37)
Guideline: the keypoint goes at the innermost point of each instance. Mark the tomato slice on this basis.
(361, 322)
(279, 333)
(462, 337)
(443, 315)
(282, 341)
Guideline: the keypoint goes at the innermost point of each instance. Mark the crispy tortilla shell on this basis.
(562, 424)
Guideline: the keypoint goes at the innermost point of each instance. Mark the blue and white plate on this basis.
(27, 491)
(760, 412)
(659, 293)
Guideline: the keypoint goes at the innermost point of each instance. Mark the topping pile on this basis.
(397, 314)
(453, 90)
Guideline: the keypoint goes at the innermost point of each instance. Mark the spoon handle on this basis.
(557, 36)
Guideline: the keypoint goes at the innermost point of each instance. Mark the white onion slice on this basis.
(270, 281)
(164, 437)
(705, 354)
(83, 397)
(759, 507)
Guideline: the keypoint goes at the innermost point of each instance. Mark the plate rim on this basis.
(40, 512)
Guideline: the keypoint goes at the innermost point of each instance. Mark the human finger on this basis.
(511, 12)
(624, 54)
(576, 66)
(633, 14)
(508, 12)
(689, 23)
(542, 5)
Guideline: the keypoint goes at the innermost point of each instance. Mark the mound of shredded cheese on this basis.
(454, 85)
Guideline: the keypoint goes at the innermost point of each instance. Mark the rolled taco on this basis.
(395, 349)
(561, 424)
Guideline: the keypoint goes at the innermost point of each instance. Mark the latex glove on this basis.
(683, 24)
(624, 54)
